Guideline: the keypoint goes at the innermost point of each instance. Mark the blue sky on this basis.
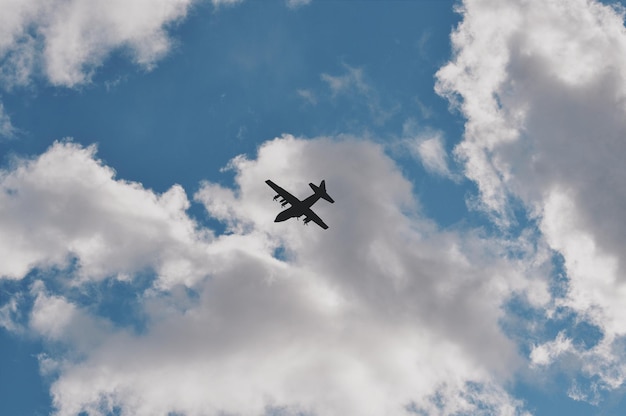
(473, 261)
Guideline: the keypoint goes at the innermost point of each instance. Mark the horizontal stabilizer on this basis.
(321, 191)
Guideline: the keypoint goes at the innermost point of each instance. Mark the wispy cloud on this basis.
(351, 80)
(352, 84)
(294, 4)
(307, 95)
(433, 154)
(218, 3)
(427, 146)
(7, 131)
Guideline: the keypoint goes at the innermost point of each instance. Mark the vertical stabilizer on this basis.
(321, 191)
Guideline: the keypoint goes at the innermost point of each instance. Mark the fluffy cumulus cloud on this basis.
(65, 205)
(542, 85)
(67, 39)
(382, 313)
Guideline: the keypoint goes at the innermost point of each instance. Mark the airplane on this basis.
(299, 208)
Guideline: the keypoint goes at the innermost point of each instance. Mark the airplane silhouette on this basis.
(299, 208)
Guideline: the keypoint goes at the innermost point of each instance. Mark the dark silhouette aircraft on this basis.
(299, 208)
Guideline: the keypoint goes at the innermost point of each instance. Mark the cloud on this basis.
(352, 83)
(427, 145)
(541, 84)
(380, 314)
(218, 3)
(66, 40)
(9, 312)
(294, 4)
(546, 353)
(433, 155)
(7, 131)
(307, 96)
(351, 80)
(66, 205)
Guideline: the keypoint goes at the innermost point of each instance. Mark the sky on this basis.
(473, 263)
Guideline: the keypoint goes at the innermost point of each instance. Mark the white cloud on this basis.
(68, 39)
(219, 3)
(433, 155)
(379, 313)
(65, 204)
(541, 84)
(9, 311)
(352, 83)
(294, 4)
(7, 131)
(546, 353)
(427, 145)
(65, 41)
(307, 95)
(351, 80)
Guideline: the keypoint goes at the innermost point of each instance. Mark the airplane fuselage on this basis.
(297, 210)
(301, 208)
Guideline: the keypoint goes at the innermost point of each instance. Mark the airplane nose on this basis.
(283, 216)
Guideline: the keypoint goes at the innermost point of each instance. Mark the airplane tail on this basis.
(321, 191)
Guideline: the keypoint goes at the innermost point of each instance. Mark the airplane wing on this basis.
(280, 191)
(311, 216)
